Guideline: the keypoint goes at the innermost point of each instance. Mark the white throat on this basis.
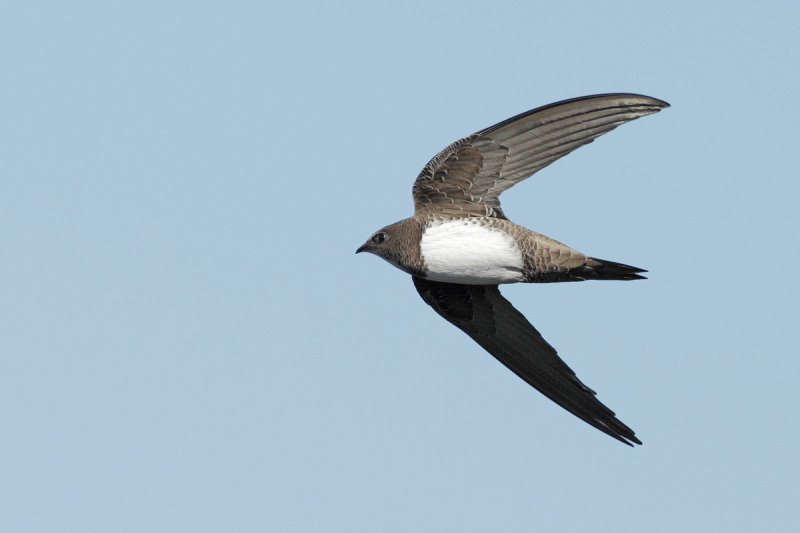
(470, 251)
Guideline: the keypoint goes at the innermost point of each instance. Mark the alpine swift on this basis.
(459, 245)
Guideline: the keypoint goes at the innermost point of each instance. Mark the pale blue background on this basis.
(188, 342)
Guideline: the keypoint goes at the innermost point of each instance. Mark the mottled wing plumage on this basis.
(483, 314)
(466, 178)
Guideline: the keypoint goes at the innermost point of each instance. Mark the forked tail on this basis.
(602, 269)
(592, 269)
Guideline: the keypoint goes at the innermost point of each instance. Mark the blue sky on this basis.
(188, 342)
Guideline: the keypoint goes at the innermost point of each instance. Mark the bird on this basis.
(459, 246)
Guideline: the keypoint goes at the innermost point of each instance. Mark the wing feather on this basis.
(467, 177)
(486, 316)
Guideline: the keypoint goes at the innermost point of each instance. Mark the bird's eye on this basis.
(378, 238)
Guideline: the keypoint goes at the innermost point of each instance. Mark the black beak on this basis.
(361, 248)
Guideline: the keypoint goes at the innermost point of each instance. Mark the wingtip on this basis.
(650, 103)
(661, 104)
(640, 98)
(630, 440)
(617, 429)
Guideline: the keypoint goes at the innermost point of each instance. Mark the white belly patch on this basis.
(467, 251)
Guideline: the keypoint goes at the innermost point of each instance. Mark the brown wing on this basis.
(467, 177)
(483, 314)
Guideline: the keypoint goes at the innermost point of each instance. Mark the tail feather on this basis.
(592, 268)
(602, 269)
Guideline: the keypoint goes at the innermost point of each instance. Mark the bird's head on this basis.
(379, 243)
(398, 244)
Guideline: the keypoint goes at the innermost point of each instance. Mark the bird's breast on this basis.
(470, 251)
